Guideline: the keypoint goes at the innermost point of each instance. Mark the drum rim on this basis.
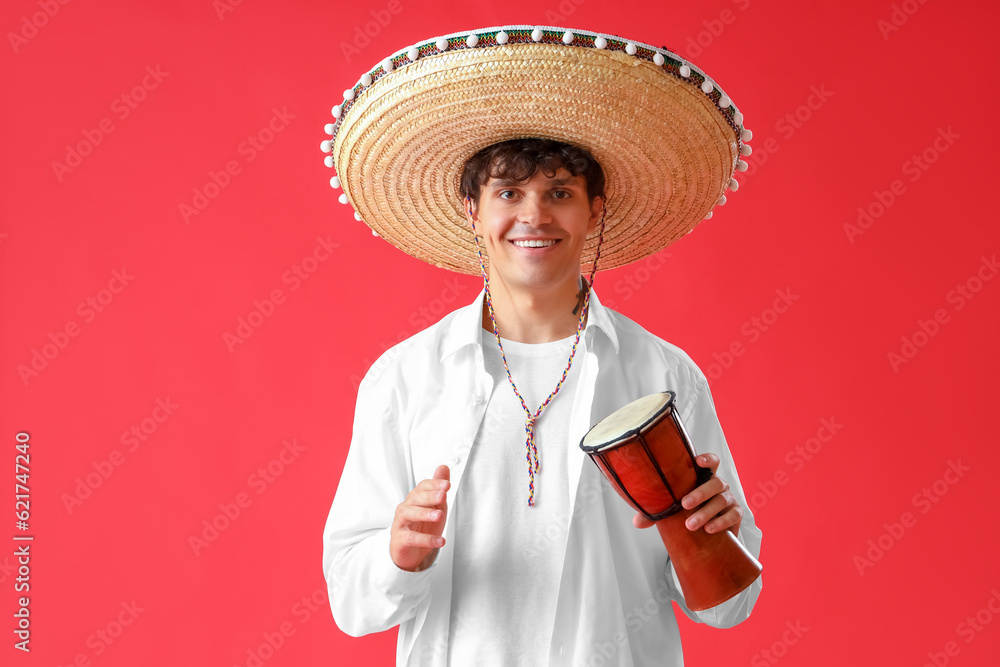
(620, 440)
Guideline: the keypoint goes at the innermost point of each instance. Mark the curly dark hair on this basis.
(519, 159)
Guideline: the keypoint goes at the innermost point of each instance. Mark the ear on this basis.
(596, 208)
(470, 209)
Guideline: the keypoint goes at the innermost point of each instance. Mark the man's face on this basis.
(534, 230)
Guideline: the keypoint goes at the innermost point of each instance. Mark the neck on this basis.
(534, 316)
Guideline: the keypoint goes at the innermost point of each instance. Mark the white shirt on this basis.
(508, 556)
(422, 403)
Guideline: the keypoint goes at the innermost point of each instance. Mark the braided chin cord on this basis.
(531, 450)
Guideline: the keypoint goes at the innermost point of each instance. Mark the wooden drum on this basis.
(644, 452)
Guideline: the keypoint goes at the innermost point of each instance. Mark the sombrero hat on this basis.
(667, 136)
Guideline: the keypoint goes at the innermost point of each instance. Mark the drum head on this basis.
(627, 421)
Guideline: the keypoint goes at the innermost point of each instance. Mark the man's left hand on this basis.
(718, 508)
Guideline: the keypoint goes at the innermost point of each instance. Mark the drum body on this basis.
(646, 455)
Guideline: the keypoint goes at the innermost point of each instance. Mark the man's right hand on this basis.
(415, 536)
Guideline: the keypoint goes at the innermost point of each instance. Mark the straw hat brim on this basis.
(668, 148)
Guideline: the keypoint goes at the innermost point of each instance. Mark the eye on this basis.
(562, 194)
(502, 194)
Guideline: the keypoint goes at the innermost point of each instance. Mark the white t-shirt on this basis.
(507, 565)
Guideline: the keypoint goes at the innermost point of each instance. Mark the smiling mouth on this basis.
(535, 243)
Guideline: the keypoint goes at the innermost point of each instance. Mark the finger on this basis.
(436, 482)
(639, 521)
(710, 461)
(429, 492)
(413, 514)
(729, 519)
(712, 487)
(418, 540)
(442, 472)
(707, 512)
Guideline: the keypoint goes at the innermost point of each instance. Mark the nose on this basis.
(533, 211)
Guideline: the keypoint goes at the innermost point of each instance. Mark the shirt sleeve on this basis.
(702, 425)
(368, 592)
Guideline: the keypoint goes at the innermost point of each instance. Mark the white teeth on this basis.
(534, 244)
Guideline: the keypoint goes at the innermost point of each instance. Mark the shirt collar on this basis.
(464, 328)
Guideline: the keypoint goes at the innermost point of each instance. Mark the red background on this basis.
(886, 93)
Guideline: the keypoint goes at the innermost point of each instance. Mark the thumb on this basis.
(442, 472)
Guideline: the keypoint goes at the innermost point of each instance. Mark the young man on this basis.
(466, 513)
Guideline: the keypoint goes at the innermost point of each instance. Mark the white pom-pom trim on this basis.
(706, 87)
(442, 44)
(358, 218)
(387, 65)
(501, 37)
(328, 161)
(335, 182)
(722, 201)
(600, 42)
(366, 79)
(658, 59)
(335, 111)
(342, 198)
(745, 150)
(734, 185)
(707, 216)
(326, 145)
(685, 71)
(472, 40)
(737, 118)
(537, 34)
(725, 102)
(568, 37)
(741, 165)
(747, 135)
(349, 94)
(413, 54)
(328, 128)
(630, 49)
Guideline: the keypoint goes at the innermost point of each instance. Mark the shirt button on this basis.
(454, 461)
(479, 399)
